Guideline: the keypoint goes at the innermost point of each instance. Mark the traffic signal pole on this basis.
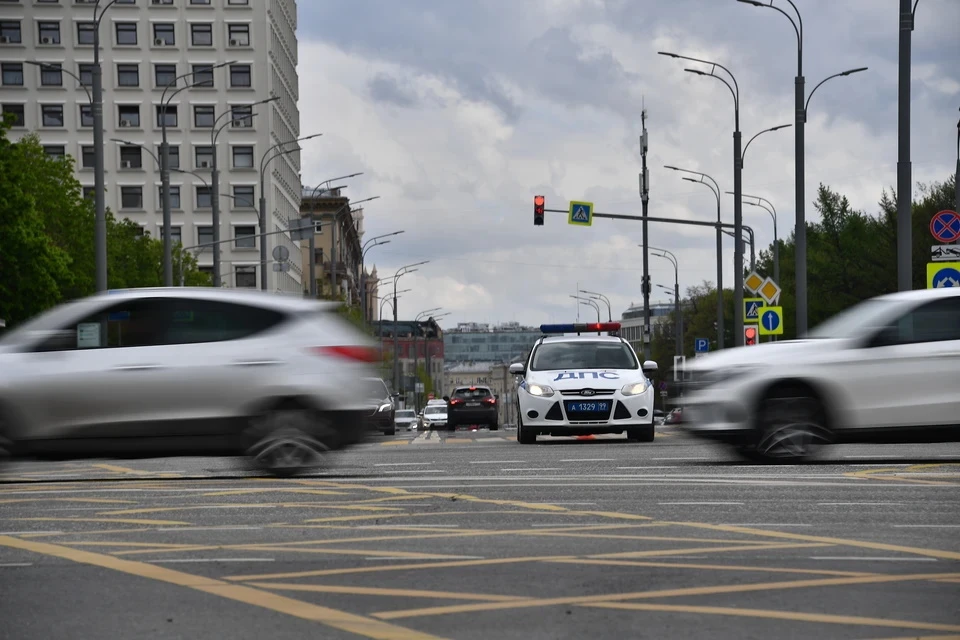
(645, 200)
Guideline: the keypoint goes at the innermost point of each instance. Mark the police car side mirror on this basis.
(650, 367)
(517, 368)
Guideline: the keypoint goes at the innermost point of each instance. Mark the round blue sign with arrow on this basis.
(946, 277)
(945, 226)
(770, 320)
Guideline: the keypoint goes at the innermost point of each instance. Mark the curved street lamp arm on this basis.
(743, 154)
(716, 193)
(836, 75)
(127, 143)
(173, 83)
(263, 158)
(733, 92)
(697, 173)
(215, 133)
(97, 9)
(47, 65)
(736, 94)
(313, 193)
(796, 24)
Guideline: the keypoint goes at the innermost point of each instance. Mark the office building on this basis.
(473, 342)
(146, 45)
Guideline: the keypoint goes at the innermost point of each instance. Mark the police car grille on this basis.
(596, 392)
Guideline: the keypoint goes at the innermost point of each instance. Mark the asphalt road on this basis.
(471, 535)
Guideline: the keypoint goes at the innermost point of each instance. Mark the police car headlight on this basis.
(634, 388)
(383, 407)
(540, 390)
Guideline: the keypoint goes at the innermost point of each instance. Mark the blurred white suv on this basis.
(186, 371)
(884, 370)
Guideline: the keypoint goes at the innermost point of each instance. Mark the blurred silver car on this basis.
(186, 371)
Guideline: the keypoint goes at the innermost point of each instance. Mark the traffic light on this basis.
(749, 335)
(538, 204)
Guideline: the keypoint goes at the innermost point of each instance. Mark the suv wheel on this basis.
(282, 444)
(791, 426)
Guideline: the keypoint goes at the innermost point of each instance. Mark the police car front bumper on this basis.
(550, 415)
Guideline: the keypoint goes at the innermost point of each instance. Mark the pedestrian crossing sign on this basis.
(581, 213)
(752, 307)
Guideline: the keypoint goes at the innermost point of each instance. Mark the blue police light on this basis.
(579, 327)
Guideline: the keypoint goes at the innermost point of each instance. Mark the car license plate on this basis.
(473, 404)
(595, 406)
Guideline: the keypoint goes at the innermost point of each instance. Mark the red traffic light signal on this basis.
(538, 204)
(750, 334)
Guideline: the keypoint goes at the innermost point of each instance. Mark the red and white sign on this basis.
(945, 226)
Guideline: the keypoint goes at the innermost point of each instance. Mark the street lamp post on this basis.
(956, 179)
(375, 241)
(265, 161)
(602, 298)
(416, 353)
(388, 298)
(663, 253)
(715, 188)
(767, 206)
(737, 181)
(402, 271)
(215, 131)
(800, 115)
(751, 239)
(333, 239)
(590, 303)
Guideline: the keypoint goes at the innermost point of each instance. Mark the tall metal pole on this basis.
(396, 352)
(904, 166)
(215, 206)
(956, 179)
(645, 200)
(99, 195)
(312, 248)
(738, 240)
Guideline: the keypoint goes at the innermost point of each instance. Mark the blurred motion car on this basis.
(186, 371)
(433, 416)
(406, 419)
(884, 370)
(575, 384)
(473, 405)
(382, 411)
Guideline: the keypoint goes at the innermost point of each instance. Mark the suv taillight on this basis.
(455, 401)
(359, 354)
(490, 400)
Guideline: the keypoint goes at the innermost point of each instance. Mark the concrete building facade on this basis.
(145, 46)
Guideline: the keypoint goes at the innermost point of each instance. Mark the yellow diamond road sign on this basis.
(769, 291)
(752, 282)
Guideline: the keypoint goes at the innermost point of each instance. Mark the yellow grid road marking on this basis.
(373, 591)
(714, 567)
(159, 523)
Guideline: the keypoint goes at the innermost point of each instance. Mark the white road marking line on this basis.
(23, 533)
(589, 460)
(855, 504)
(682, 458)
(672, 466)
(401, 464)
(16, 564)
(927, 526)
(697, 503)
(551, 502)
(865, 457)
(873, 559)
(185, 560)
(497, 461)
(534, 469)
(416, 471)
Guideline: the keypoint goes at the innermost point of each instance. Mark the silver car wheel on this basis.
(283, 445)
(791, 428)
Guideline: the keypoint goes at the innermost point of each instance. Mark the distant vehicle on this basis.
(584, 384)
(382, 411)
(473, 405)
(185, 371)
(436, 401)
(405, 419)
(884, 370)
(433, 417)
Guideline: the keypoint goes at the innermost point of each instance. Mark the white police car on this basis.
(584, 384)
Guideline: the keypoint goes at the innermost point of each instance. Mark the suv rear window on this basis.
(467, 393)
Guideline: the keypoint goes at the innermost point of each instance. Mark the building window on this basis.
(126, 33)
(167, 116)
(51, 115)
(10, 29)
(139, 232)
(128, 75)
(86, 115)
(203, 116)
(131, 197)
(168, 3)
(204, 157)
(12, 74)
(174, 155)
(239, 35)
(54, 150)
(131, 157)
(204, 235)
(87, 157)
(238, 3)
(85, 73)
(201, 34)
(174, 199)
(163, 34)
(241, 115)
(48, 32)
(164, 74)
(88, 193)
(18, 113)
(204, 200)
(51, 75)
(243, 157)
(246, 277)
(86, 33)
(243, 196)
(202, 75)
(129, 116)
(240, 76)
(201, 2)
(246, 237)
(176, 237)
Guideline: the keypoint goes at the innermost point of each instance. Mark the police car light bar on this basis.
(579, 327)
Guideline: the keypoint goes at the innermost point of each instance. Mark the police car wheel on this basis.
(641, 434)
(525, 435)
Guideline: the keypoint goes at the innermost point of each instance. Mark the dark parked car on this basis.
(472, 406)
(382, 411)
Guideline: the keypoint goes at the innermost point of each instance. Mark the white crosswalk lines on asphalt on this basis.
(427, 437)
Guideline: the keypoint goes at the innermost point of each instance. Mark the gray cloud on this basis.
(387, 89)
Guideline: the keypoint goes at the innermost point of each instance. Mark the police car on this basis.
(576, 384)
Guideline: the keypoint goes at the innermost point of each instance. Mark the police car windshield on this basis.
(583, 354)
(435, 410)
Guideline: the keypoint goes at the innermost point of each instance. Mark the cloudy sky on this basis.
(459, 112)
